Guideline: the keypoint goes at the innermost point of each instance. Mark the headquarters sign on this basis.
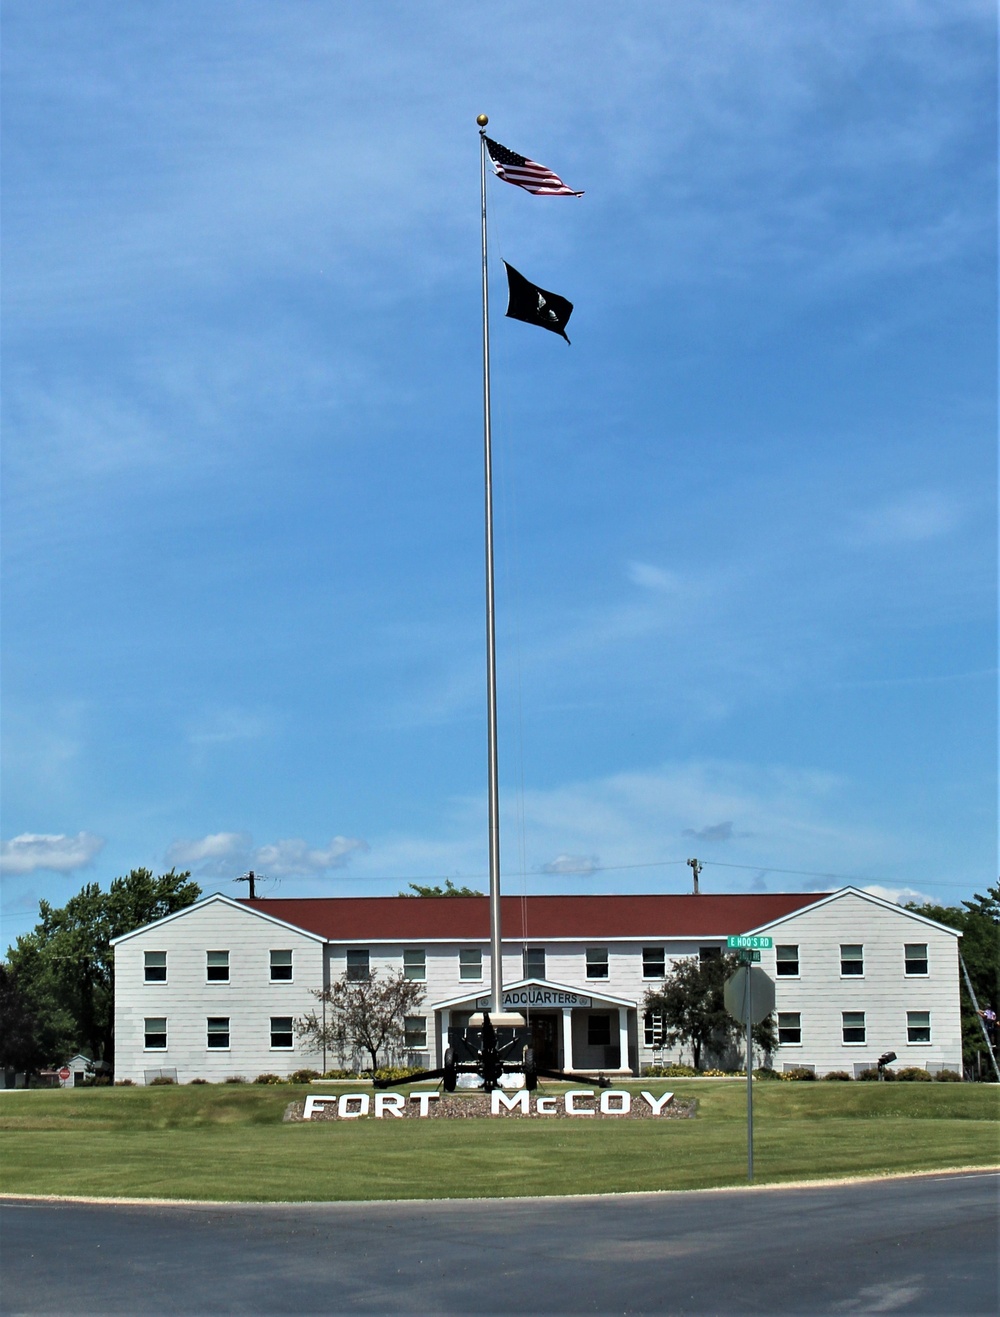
(536, 997)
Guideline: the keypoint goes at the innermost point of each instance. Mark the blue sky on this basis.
(746, 523)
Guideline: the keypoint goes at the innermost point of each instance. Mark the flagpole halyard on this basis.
(496, 951)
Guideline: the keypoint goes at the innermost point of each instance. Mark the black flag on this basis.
(536, 306)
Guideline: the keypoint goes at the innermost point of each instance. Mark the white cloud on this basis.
(900, 895)
(913, 518)
(55, 851)
(283, 859)
(219, 852)
(226, 854)
(572, 864)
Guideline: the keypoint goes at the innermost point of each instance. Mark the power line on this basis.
(577, 874)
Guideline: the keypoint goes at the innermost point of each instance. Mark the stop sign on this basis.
(752, 979)
(65, 1072)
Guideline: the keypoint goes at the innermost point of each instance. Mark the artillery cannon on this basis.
(491, 1052)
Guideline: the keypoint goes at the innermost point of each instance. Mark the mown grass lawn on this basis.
(228, 1142)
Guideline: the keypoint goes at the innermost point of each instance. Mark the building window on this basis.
(218, 1031)
(415, 964)
(918, 1026)
(155, 1035)
(599, 1030)
(709, 953)
(854, 1026)
(415, 1033)
(654, 963)
(217, 969)
(597, 962)
(852, 959)
(787, 961)
(470, 963)
(155, 966)
(789, 1028)
(915, 957)
(281, 967)
(281, 1031)
(533, 960)
(653, 1029)
(358, 966)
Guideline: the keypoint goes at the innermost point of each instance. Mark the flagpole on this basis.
(496, 961)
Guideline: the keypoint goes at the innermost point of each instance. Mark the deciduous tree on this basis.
(367, 1015)
(691, 1005)
(65, 967)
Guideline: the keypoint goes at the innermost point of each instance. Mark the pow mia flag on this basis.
(536, 306)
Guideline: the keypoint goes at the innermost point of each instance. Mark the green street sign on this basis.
(752, 943)
(749, 957)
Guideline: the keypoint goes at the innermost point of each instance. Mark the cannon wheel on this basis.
(530, 1070)
(450, 1077)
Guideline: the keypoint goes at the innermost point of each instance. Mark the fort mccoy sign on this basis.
(519, 1102)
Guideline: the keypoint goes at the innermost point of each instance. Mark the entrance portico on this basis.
(571, 1029)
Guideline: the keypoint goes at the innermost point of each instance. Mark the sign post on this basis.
(749, 997)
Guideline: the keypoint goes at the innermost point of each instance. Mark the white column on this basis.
(567, 1026)
(445, 1025)
(623, 1036)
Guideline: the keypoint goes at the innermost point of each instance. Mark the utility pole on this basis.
(695, 871)
(250, 879)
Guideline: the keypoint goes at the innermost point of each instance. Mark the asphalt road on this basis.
(925, 1245)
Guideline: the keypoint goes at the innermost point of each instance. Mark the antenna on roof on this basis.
(695, 871)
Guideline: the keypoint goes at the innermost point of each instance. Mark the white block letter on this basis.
(316, 1102)
(657, 1104)
(624, 1105)
(572, 1109)
(389, 1104)
(344, 1105)
(425, 1100)
(545, 1106)
(516, 1102)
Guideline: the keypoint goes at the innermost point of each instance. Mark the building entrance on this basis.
(545, 1040)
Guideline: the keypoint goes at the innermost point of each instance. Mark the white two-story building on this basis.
(215, 990)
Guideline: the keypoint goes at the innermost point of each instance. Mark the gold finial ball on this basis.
(482, 120)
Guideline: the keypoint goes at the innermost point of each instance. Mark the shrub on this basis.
(713, 1074)
(97, 1081)
(268, 1079)
(198, 1081)
(765, 1072)
(837, 1074)
(338, 1074)
(872, 1073)
(124, 1083)
(235, 1079)
(303, 1076)
(162, 1079)
(670, 1070)
(948, 1077)
(800, 1072)
(913, 1074)
(395, 1073)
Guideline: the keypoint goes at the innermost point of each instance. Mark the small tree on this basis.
(693, 1009)
(449, 889)
(366, 1015)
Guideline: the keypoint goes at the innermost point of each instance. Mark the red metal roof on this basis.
(541, 918)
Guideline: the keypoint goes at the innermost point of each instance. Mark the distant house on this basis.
(215, 989)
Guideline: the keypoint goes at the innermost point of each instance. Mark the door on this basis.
(545, 1040)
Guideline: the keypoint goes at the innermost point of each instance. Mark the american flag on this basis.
(529, 174)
